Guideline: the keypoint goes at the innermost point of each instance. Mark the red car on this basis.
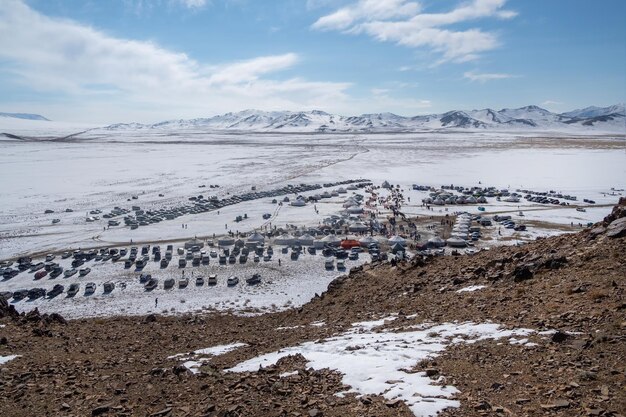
(41, 274)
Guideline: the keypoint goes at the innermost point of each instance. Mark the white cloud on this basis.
(379, 91)
(84, 65)
(484, 77)
(401, 22)
(366, 10)
(193, 4)
(551, 103)
(250, 70)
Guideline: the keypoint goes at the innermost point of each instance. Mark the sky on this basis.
(110, 61)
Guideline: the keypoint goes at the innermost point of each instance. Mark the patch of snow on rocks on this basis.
(375, 362)
(472, 288)
(192, 362)
(5, 359)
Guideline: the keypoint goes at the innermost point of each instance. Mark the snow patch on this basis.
(5, 359)
(219, 350)
(369, 325)
(472, 288)
(288, 327)
(376, 363)
(193, 363)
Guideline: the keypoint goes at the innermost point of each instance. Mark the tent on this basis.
(456, 242)
(436, 242)
(349, 243)
(397, 248)
(358, 227)
(305, 240)
(225, 241)
(331, 240)
(255, 240)
(365, 241)
(285, 239)
(397, 239)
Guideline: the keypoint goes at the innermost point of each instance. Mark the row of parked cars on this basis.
(151, 283)
(58, 289)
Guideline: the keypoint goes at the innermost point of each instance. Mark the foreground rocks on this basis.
(571, 285)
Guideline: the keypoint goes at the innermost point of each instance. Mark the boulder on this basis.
(617, 228)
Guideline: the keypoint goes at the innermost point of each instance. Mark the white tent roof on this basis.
(397, 239)
(225, 241)
(367, 240)
(256, 237)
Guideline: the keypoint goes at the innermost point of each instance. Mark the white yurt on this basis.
(357, 227)
(318, 244)
(382, 240)
(436, 242)
(306, 240)
(331, 240)
(397, 239)
(456, 242)
(255, 239)
(299, 202)
(284, 239)
(225, 241)
(365, 241)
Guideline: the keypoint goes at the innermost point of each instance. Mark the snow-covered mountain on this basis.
(593, 111)
(610, 119)
(25, 116)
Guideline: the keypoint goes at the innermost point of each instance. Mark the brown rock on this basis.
(98, 411)
(617, 228)
(161, 413)
(556, 405)
(393, 403)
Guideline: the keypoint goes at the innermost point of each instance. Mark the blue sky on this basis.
(150, 60)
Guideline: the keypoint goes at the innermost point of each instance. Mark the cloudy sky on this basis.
(149, 60)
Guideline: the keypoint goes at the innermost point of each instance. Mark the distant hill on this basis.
(25, 116)
(612, 118)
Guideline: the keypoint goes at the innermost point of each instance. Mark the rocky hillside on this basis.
(570, 289)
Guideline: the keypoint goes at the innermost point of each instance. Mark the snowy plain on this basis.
(104, 169)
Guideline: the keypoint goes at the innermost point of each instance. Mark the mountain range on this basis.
(612, 118)
(25, 116)
(604, 119)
